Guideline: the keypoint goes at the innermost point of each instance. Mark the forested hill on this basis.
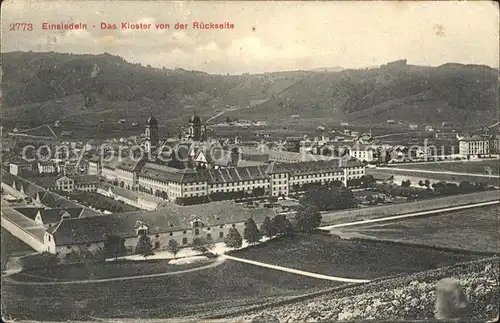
(451, 92)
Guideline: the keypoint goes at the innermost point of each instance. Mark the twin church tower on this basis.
(197, 131)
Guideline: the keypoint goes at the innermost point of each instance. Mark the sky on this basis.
(267, 36)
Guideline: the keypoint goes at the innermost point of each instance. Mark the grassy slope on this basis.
(231, 284)
(126, 90)
(402, 298)
(328, 255)
(474, 167)
(474, 229)
(102, 270)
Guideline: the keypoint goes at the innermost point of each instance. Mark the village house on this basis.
(474, 146)
(366, 153)
(20, 167)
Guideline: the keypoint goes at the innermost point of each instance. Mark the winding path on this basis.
(296, 271)
(216, 263)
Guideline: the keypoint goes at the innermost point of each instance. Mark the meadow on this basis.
(350, 258)
(229, 285)
(471, 166)
(471, 229)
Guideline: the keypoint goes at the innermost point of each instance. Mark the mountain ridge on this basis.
(421, 94)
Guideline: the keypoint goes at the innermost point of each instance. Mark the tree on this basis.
(427, 183)
(251, 233)
(466, 187)
(406, 183)
(258, 191)
(421, 183)
(282, 224)
(114, 246)
(164, 195)
(144, 246)
(233, 239)
(173, 247)
(202, 244)
(329, 198)
(308, 218)
(268, 228)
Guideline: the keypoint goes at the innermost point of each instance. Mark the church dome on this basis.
(152, 121)
(195, 119)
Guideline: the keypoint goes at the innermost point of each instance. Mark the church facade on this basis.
(197, 131)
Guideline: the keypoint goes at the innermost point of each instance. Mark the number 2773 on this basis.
(23, 26)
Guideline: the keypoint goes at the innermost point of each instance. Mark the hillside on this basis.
(44, 87)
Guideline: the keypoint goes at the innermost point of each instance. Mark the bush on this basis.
(202, 245)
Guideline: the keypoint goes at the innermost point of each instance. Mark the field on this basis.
(229, 285)
(326, 254)
(472, 167)
(388, 171)
(103, 270)
(473, 229)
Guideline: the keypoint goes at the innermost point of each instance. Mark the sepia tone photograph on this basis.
(250, 161)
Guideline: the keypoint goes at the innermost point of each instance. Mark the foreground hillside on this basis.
(107, 87)
(404, 298)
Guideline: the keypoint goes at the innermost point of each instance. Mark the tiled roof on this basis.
(218, 156)
(227, 175)
(312, 167)
(473, 138)
(49, 215)
(166, 174)
(29, 212)
(37, 230)
(175, 218)
(131, 165)
(161, 173)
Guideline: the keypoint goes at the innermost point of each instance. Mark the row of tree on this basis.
(364, 181)
(221, 196)
(329, 198)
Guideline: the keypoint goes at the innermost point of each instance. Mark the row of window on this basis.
(239, 183)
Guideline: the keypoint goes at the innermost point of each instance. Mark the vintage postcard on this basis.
(249, 161)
